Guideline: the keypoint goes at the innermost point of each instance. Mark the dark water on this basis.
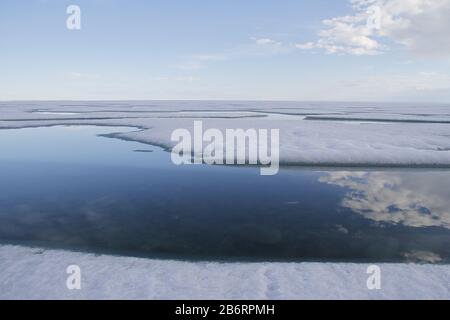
(66, 187)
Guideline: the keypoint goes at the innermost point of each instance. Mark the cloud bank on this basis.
(421, 26)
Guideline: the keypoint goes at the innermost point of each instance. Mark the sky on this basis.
(340, 50)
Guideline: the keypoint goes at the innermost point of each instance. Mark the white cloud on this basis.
(199, 61)
(81, 76)
(267, 42)
(185, 78)
(176, 78)
(422, 26)
(427, 85)
(265, 46)
(257, 47)
(306, 46)
(396, 83)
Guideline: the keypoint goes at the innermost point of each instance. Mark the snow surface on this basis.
(33, 273)
(336, 134)
(349, 136)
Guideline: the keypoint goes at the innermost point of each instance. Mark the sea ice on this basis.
(336, 134)
(33, 273)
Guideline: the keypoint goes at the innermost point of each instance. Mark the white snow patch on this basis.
(329, 142)
(31, 273)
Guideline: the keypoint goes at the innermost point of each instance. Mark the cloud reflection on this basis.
(414, 199)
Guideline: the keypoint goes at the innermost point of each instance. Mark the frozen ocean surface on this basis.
(33, 273)
(73, 187)
(343, 215)
(336, 134)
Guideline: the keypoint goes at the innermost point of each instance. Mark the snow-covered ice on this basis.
(343, 134)
(34, 273)
(352, 134)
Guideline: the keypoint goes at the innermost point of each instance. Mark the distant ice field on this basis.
(317, 134)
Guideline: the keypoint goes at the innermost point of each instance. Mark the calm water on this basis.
(66, 187)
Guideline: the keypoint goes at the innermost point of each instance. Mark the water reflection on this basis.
(73, 189)
(415, 199)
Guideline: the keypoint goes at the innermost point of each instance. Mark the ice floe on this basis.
(334, 134)
(34, 273)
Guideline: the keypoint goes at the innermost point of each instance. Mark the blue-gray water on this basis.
(67, 187)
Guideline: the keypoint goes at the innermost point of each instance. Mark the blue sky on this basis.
(250, 50)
